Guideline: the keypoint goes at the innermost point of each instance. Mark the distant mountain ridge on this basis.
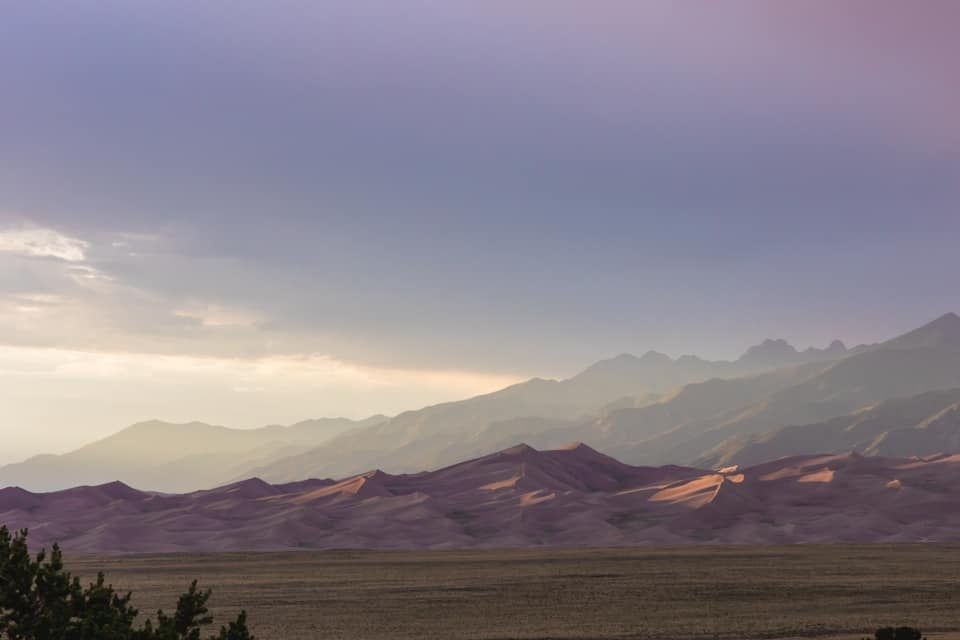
(165, 456)
(442, 434)
(517, 497)
(923, 360)
(651, 410)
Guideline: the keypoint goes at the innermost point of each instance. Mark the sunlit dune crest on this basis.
(823, 475)
(695, 493)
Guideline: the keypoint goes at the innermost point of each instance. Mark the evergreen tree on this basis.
(40, 600)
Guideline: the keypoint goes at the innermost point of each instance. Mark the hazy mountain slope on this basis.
(447, 432)
(926, 359)
(919, 425)
(515, 498)
(167, 457)
(616, 428)
(163, 456)
(690, 404)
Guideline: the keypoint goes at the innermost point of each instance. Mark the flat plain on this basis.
(734, 592)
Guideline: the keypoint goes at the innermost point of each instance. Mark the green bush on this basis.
(39, 600)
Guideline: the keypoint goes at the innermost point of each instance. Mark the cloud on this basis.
(273, 373)
(42, 242)
(54, 398)
(213, 315)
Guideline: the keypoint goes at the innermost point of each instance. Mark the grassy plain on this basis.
(670, 593)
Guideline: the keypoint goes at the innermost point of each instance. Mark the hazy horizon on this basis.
(248, 214)
(219, 374)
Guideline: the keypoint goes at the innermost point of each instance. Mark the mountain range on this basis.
(175, 457)
(648, 410)
(684, 426)
(518, 497)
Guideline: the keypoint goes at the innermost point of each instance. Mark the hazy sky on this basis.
(261, 212)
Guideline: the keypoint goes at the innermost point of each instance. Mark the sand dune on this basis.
(514, 498)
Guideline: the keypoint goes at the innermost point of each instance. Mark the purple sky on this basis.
(498, 189)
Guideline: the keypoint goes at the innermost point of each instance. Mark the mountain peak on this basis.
(837, 346)
(625, 365)
(942, 332)
(770, 351)
(949, 321)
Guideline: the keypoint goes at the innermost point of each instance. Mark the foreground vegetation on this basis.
(40, 600)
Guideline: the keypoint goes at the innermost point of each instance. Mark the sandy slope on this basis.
(518, 497)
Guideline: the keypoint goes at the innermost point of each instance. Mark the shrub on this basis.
(898, 633)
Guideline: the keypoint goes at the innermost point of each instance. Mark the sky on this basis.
(251, 213)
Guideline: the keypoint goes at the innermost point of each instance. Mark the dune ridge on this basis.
(517, 497)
